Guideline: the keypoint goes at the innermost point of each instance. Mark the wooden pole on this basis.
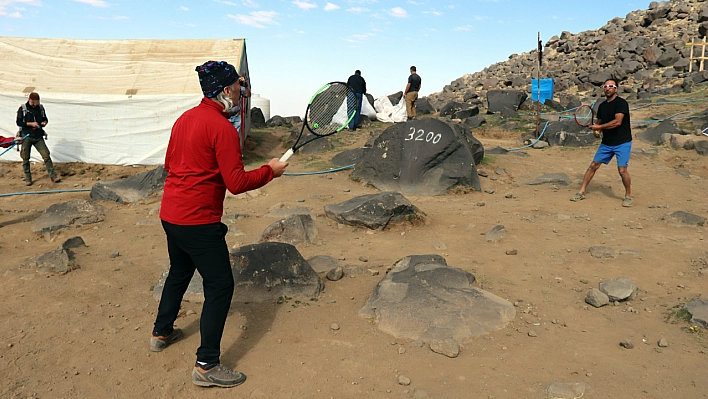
(538, 86)
(690, 65)
(703, 54)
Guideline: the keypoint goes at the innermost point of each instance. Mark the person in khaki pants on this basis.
(32, 119)
(411, 92)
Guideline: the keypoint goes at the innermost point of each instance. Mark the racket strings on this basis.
(584, 116)
(330, 109)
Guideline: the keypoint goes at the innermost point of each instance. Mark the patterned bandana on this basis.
(214, 76)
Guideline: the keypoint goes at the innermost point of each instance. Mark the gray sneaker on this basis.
(217, 376)
(157, 344)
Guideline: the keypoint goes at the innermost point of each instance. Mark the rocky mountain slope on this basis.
(646, 51)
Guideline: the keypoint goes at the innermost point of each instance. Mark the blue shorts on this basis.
(605, 153)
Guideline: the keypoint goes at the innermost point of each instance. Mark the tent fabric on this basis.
(107, 101)
(386, 112)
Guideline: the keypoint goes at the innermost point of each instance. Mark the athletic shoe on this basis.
(577, 197)
(627, 202)
(158, 343)
(217, 376)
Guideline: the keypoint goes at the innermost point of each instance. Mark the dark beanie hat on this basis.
(214, 76)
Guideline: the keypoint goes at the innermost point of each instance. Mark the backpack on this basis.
(24, 115)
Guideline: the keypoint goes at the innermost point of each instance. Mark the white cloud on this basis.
(331, 7)
(436, 13)
(463, 28)
(183, 8)
(228, 3)
(358, 10)
(120, 17)
(5, 4)
(305, 5)
(398, 12)
(249, 3)
(257, 19)
(95, 3)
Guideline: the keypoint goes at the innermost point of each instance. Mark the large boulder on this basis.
(424, 156)
(422, 298)
(374, 211)
(567, 133)
(264, 272)
(423, 107)
(654, 135)
(132, 189)
(257, 118)
(497, 100)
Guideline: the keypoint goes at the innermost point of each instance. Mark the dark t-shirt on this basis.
(606, 112)
(357, 83)
(415, 81)
(34, 114)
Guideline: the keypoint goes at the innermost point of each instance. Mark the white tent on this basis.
(107, 101)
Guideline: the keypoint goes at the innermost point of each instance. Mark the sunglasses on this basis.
(609, 86)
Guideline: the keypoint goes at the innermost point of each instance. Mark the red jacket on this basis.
(204, 159)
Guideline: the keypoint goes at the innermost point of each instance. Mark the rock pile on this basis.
(646, 51)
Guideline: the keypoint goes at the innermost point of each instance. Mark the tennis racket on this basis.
(584, 115)
(330, 110)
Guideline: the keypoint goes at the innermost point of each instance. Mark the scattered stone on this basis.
(698, 308)
(535, 179)
(114, 254)
(294, 229)
(373, 272)
(627, 344)
(322, 263)
(597, 298)
(132, 189)
(403, 380)
(685, 218)
(334, 327)
(363, 258)
(448, 347)
(532, 334)
(663, 343)
(335, 274)
(496, 233)
(511, 252)
(602, 252)
(619, 289)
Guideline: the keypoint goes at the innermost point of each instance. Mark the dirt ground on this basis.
(85, 334)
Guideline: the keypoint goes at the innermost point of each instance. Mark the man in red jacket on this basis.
(203, 160)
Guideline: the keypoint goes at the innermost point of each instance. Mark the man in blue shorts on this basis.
(616, 140)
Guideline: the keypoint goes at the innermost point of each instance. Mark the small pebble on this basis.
(663, 343)
(403, 380)
(511, 252)
(533, 334)
(363, 258)
(334, 327)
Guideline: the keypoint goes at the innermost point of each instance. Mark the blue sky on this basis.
(294, 47)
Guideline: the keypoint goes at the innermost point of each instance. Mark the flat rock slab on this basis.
(535, 179)
(294, 229)
(65, 214)
(263, 272)
(684, 218)
(375, 211)
(699, 312)
(566, 390)
(597, 298)
(422, 298)
(619, 289)
(323, 263)
(132, 189)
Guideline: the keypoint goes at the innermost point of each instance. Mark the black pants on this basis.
(200, 247)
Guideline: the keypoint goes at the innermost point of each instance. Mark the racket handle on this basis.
(286, 156)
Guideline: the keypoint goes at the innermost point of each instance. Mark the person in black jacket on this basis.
(32, 119)
(358, 85)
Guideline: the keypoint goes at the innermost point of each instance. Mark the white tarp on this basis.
(386, 112)
(367, 109)
(104, 129)
(107, 101)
